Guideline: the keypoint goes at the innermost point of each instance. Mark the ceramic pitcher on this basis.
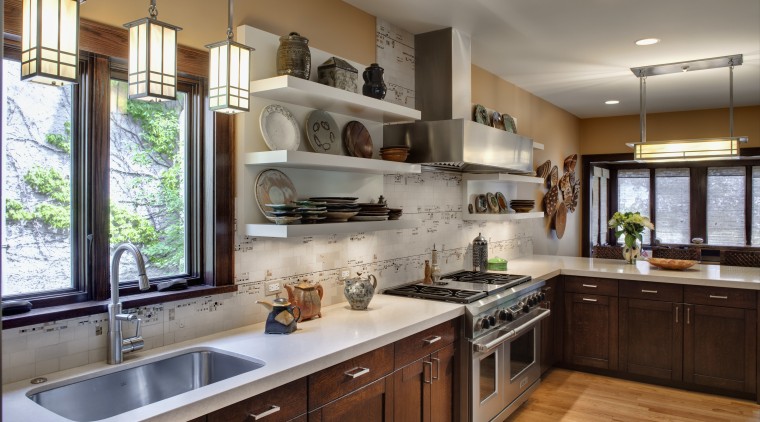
(374, 86)
(359, 291)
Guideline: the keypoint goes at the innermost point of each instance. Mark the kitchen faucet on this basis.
(117, 345)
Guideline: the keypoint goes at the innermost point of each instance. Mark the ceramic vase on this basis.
(374, 86)
(294, 56)
(631, 253)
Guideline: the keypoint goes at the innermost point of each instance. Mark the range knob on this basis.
(510, 316)
(526, 307)
(482, 324)
(492, 321)
(542, 296)
(503, 315)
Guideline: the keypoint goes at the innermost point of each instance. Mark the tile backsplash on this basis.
(394, 257)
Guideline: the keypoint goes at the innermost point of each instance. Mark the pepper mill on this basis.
(480, 254)
(435, 272)
(428, 273)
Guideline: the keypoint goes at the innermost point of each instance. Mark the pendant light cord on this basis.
(731, 98)
(153, 10)
(643, 106)
(229, 20)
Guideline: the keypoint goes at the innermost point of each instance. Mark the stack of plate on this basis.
(371, 212)
(338, 208)
(522, 205)
(283, 213)
(394, 213)
(311, 211)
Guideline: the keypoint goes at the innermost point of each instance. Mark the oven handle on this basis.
(484, 347)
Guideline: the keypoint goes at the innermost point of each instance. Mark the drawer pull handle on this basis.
(718, 297)
(437, 369)
(424, 378)
(431, 340)
(272, 409)
(590, 286)
(586, 299)
(688, 315)
(676, 314)
(357, 372)
(649, 291)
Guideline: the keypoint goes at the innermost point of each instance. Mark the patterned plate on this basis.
(274, 187)
(279, 128)
(323, 133)
(356, 139)
(481, 115)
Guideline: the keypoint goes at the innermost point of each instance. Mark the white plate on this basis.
(279, 128)
(323, 133)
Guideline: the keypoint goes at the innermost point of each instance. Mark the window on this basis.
(725, 206)
(37, 152)
(633, 195)
(598, 212)
(672, 205)
(755, 206)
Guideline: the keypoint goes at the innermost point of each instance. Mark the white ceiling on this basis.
(578, 53)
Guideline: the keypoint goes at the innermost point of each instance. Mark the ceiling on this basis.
(577, 54)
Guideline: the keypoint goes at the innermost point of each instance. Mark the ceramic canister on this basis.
(294, 56)
(480, 254)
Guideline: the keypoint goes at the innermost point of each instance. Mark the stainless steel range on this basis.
(502, 336)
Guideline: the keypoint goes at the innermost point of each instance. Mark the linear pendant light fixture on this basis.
(50, 41)
(229, 75)
(687, 149)
(152, 58)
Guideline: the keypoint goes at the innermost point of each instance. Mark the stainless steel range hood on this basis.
(446, 137)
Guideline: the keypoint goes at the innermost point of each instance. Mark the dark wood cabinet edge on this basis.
(55, 313)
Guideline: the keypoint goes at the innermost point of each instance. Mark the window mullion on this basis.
(698, 199)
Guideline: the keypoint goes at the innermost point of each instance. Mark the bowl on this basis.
(672, 264)
(394, 156)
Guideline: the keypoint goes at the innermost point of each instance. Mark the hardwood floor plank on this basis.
(570, 396)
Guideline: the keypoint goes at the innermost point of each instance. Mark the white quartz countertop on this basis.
(340, 334)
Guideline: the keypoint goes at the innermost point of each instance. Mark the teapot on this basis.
(359, 291)
(281, 318)
(308, 297)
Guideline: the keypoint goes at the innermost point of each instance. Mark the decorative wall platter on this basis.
(560, 220)
(323, 133)
(481, 115)
(279, 128)
(497, 121)
(274, 187)
(542, 171)
(553, 177)
(509, 123)
(356, 139)
(570, 162)
(551, 201)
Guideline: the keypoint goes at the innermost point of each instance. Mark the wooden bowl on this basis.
(672, 264)
(394, 156)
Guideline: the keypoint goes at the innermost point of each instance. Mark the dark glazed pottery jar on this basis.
(374, 86)
(294, 56)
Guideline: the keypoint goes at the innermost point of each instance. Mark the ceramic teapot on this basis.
(281, 319)
(308, 297)
(359, 291)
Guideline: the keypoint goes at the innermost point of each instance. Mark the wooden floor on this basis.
(576, 396)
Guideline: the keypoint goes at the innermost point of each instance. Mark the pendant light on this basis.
(687, 149)
(50, 41)
(228, 90)
(152, 58)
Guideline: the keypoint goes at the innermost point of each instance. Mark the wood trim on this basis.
(698, 201)
(652, 205)
(219, 218)
(748, 205)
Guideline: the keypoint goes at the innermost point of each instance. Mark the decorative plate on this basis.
(369, 218)
(356, 139)
(672, 264)
(334, 199)
(497, 121)
(570, 162)
(551, 201)
(502, 202)
(323, 133)
(560, 219)
(481, 115)
(509, 123)
(274, 187)
(553, 177)
(493, 204)
(543, 170)
(481, 203)
(279, 128)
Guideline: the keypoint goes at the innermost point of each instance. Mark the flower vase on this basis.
(631, 253)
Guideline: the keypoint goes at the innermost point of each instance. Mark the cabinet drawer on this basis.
(720, 296)
(339, 380)
(425, 342)
(283, 404)
(591, 285)
(651, 291)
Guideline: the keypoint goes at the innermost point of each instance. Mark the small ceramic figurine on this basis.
(282, 318)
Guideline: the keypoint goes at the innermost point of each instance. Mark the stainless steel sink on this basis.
(118, 392)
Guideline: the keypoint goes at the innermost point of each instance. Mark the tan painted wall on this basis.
(606, 135)
(548, 124)
(330, 25)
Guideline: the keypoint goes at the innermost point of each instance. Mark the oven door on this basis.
(487, 368)
(522, 355)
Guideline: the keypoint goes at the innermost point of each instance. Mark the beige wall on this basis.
(548, 124)
(607, 135)
(330, 25)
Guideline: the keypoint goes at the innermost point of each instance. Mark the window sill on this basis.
(54, 313)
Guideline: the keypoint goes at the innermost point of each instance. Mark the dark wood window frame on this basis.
(698, 193)
(103, 50)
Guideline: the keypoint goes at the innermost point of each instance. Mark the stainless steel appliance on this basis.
(501, 345)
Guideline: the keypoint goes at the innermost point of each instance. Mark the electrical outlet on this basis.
(344, 274)
(272, 288)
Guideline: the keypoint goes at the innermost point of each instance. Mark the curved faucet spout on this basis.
(117, 345)
(142, 279)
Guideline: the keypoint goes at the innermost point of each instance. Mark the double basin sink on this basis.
(103, 396)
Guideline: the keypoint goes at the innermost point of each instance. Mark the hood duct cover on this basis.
(447, 137)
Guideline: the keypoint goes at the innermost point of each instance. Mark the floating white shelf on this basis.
(316, 161)
(502, 177)
(538, 145)
(299, 230)
(502, 217)
(290, 89)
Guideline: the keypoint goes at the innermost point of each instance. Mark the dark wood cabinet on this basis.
(284, 403)
(371, 403)
(424, 389)
(551, 327)
(591, 330)
(651, 338)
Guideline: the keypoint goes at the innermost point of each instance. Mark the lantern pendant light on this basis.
(152, 58)
(50, 41)
(230, 62)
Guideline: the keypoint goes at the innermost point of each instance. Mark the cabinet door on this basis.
(651, 338)
(280, 404)
(551, 327)
(444, 372)
(591, 330)
(411, 386)
(720, 347)
(372, 403)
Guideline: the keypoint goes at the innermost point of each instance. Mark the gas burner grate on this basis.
(437, 293)
(486, 278)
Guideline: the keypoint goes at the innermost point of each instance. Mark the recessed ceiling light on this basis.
(611, 102)
(647, 41)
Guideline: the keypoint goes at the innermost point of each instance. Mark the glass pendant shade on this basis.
(50, 41)
(695, 149)
(152, 60)
(229, 76)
